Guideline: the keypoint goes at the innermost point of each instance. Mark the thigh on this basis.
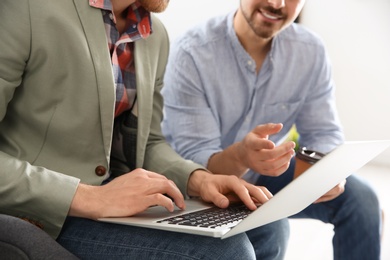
(358, 202)
(355, 216)
(90, 239)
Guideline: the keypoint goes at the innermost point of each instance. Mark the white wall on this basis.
(357, 34)
(182, 14)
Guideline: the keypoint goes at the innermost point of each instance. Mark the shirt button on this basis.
(100, 170)
(249, 62)
(111, 16)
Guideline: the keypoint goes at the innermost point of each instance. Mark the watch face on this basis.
(309, 156)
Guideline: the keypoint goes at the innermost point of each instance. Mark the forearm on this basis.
(227, 162)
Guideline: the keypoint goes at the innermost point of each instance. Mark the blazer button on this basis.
(100, 170)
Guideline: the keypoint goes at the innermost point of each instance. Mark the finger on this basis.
(333, 193)
(174, 193)
(259, 144)
(156, 184)
(285, 150)
(279, 171)
(266, 192)
(324, 199)
(217, 190)
(169, 188)
(276, 166)
(154, 175)
(255, 193)
(240, 188)
(159, 199)
(267, 129)
(217, 198)
(259, 194)
(337, 190)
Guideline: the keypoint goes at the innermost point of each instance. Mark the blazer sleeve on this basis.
(27, 191)
(159, 155)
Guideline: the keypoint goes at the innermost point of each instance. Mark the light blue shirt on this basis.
(214, 96)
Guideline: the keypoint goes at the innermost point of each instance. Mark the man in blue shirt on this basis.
(235, 86)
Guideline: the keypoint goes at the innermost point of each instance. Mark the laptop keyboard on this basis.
(211, 218)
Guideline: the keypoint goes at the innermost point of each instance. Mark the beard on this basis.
(155, 6)
(263, 29)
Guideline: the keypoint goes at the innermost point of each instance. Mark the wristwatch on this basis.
(309, 156)
(306, 159)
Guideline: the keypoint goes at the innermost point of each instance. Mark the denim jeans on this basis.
(355, 215)
(90, 239)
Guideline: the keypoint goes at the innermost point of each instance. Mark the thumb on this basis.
(221, 201)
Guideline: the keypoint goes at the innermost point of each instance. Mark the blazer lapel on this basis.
(145, 88)
(92, 22)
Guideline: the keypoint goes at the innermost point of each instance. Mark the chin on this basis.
(155, 6)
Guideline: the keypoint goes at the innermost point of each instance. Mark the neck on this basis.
(257, 47)
(119, 6)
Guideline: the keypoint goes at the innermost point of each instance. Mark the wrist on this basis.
(240, 157)
(82, 204)
(195, 181)
(228, 161)
(309, 156)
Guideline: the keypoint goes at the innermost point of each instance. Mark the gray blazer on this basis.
(57, 99)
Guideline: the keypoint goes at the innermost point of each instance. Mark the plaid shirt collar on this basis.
(101, 4)
(138, 26)
(138, 13)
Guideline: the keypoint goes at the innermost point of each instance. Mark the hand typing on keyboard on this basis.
(223, 189)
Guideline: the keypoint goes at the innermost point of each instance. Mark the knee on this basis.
(363, 196)
(277, 232)
(236, 247)
(270, 241)
(361, 203)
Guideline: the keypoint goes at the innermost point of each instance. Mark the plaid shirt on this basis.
(138, 26)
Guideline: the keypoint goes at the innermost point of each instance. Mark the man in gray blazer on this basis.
(80, 137)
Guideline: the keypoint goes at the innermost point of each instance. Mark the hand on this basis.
(223, 189)
(260, 154)
(126, 195)
(333, 193)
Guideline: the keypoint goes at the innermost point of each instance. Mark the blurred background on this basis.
(357, 36)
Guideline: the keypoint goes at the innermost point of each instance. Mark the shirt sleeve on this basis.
(318, 122)
(189, 123)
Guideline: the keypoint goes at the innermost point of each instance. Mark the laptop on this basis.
(293, 198)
